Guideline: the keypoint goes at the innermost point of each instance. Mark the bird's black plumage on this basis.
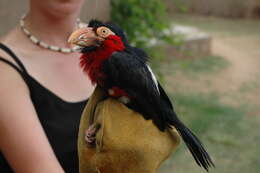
(129, 71)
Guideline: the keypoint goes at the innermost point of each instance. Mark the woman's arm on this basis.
(22, 138)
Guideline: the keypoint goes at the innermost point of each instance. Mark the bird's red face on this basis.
(96, 45)
(101, 37)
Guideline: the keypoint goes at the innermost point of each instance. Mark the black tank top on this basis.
(59, 119)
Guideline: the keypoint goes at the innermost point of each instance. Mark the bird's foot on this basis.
(90, 135)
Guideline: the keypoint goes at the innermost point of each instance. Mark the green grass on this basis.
(200, 65)
(229, 135)
(164, 64)
(200, 110)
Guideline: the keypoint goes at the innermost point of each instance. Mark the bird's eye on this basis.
(104, 32)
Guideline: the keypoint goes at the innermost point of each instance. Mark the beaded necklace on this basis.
(42, 44)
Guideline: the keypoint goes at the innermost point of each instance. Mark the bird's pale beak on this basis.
(85, 37)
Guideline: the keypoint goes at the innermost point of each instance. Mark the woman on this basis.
(43, 92)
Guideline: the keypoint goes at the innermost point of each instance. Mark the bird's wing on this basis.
(130, 73)
(164, 96)
(160, 89)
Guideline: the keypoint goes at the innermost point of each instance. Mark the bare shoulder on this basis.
(10, 79)
(8, 39)
(8, 75)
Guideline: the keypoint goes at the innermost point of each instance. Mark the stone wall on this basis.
(224, 8)
(12, 10)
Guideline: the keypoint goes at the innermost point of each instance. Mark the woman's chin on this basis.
(59, 8)
(68, 6)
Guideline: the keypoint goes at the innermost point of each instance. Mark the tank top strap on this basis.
(19, 67)
(14, 57)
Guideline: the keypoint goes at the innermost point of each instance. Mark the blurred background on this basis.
(207, 55)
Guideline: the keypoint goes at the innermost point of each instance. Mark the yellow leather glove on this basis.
(125, 141)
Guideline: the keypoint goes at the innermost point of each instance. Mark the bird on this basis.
(123, 72)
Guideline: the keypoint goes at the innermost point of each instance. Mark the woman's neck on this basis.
(50, 29)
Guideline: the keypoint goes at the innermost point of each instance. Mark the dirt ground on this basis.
(240, 82)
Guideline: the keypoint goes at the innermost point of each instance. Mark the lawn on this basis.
(229, 135)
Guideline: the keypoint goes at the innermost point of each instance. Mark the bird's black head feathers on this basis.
(119, 32)
(113, 27)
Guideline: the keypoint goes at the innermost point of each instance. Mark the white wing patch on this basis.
(153, 77)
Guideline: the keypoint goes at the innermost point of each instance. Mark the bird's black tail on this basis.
(192, 142)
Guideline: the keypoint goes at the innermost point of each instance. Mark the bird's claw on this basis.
(90, 135)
